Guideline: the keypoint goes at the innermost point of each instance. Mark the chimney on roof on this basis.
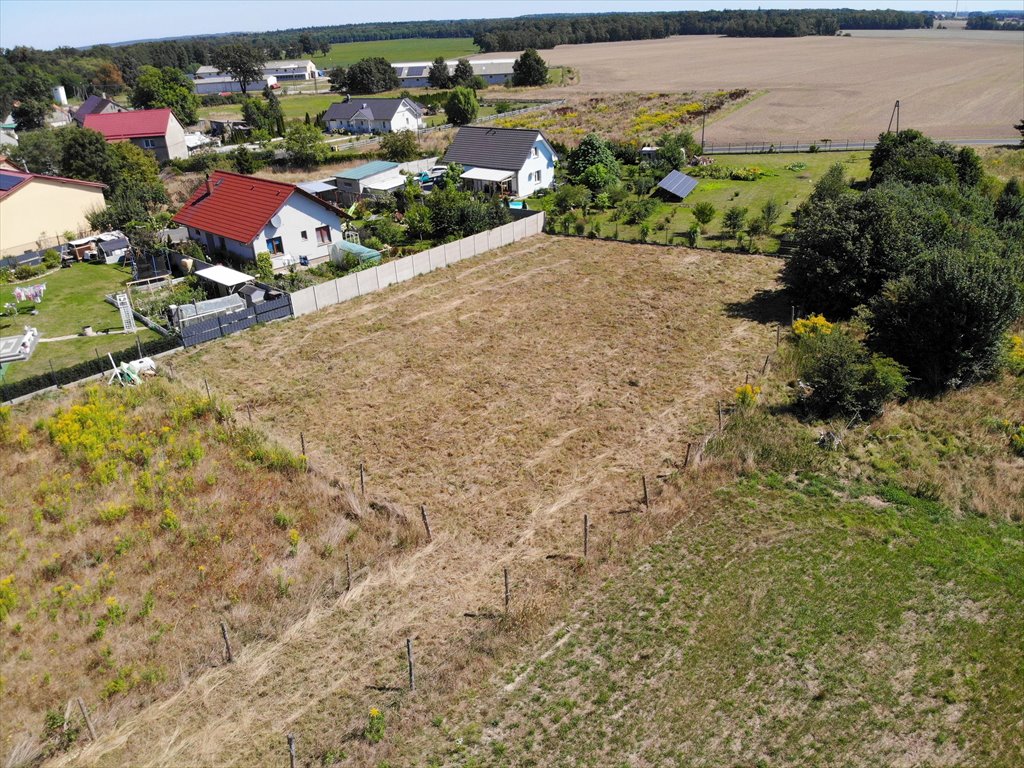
(103, 94)
(209, 186)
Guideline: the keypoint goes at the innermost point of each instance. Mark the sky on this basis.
(51, 23)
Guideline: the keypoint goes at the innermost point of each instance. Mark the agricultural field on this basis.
(788, 179)
(647, 115)
(510, 395)
(412, 49)
(952, 84)
(73, 299)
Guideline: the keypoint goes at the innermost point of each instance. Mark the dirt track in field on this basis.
(511, 393)
(952, 84)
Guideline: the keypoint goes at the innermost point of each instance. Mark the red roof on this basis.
(118, 126)
(12, 181)
(238, 207)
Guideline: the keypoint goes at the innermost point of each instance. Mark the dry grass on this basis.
(631, 117)
(510, 394)
(952, 84)
(126, 554)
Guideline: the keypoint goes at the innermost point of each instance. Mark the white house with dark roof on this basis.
(374, 116)
(506, 161)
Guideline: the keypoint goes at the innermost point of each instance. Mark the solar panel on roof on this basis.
(415, 71)
(678, 184)
(10, 181)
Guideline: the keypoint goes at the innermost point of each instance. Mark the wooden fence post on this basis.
(764, 368)
(302, 442)
(507, 597)
(227, 643)
(207, 383)
(647, 500)
(719, 415)
(348, 571)
(362, 479)
(412, 672)
(686, 461)
(248, 408)
(291, 750)
(586, 535)
(426, 521)
(88, 720)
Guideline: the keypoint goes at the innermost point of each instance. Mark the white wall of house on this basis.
(538, 172)
(297, 216)
(405, 119)
(214, 243)
(175, 137)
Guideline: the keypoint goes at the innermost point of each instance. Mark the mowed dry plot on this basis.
(511, 394)
(952, 84)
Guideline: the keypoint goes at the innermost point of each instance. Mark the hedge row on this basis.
(84, 369)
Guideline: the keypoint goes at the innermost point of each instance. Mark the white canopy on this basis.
(487, 174)
(225, 276)
(392, 182)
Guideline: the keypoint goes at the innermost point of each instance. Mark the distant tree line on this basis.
(27, 74)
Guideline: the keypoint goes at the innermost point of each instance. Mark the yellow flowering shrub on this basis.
(746, 395)
(8, 596)
(1015, 355)
(814, 325)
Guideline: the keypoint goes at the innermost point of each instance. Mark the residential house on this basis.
(374, 116)
(296, 69)
(96, 105)
(506, 161)
(371, 178)
(241, 216)
(155, 130)
(416, 74)
(36, 210)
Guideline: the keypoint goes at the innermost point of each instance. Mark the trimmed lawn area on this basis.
(73, 299)
(411, 49)
(789, 184)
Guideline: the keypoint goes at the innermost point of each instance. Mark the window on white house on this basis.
(535, 152)
(274, 245)
(304, 235)
(323, 235)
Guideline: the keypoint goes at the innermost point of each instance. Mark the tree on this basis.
(244, 63)
(84, 156)
(371, 75)
(34, 101)
(400, 146)
(770, 213)
(1010, 203)
(593, 150)
(845, 379)
(969, 169)
(463, 74)
(439, 76)
(945, 319)
(1020, 127)
(462, 106)
(337, 77)
(275, 115)
(529, 69)
(306, 43)
(245, 161)
(732, 221)
(571, 196)
(107, 77)
(41, 151)
(305, 145)
(132, 166)
(167, 87)
(704, 212)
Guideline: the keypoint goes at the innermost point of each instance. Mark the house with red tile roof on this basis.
(154, 130)
(36, 210)
(240, 216)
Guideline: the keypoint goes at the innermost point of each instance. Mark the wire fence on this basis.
(770, 147)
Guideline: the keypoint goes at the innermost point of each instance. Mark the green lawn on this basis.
(73, 299)
(788, 187)
(412, 49)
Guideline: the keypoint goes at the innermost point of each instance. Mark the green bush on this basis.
(25, 272)
(843, 378)
(51, 259)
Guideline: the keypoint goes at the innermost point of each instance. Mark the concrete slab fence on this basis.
(398, 271)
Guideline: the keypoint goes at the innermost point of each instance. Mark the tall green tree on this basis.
(305, 145)
(400, 146)
(439, 76)
(463, 74)
(462, 106)
(166, 87)
(84, 156)
(704, 212)
(733, 220)
(371, 75)
(244, 63)
(529, 69)
(593, 150)
(41, 151)
(337, 77)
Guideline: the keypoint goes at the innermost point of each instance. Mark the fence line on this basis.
(770, 147)
(367, 281)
